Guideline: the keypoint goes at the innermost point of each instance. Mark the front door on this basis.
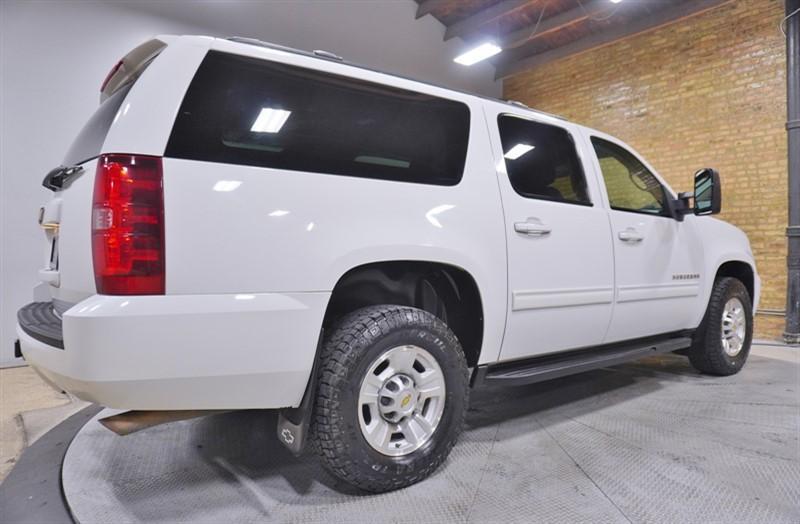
(658, 259)
(560, 266)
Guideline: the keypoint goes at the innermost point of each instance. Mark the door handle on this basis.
(532, 229)
(630, 235)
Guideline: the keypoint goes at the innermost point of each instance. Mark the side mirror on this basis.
(707, 192)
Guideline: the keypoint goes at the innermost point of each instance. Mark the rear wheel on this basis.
(391, 398)
(722, 342)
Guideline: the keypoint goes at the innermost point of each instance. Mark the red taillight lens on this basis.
(128, 225)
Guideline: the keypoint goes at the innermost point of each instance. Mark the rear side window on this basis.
(541, 161)
(90, 140)
(241, 110)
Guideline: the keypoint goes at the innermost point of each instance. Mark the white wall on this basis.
(54, 55)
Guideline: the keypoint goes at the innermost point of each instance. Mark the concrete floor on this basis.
(24, 395)
(651, 441)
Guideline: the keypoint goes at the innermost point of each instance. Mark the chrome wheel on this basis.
(734, 327)
(401, 400)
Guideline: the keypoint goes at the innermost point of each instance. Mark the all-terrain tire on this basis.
(350, 348)
(707, 353)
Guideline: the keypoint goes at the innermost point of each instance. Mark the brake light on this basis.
(128, 225)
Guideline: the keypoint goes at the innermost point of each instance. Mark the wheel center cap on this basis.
(397, 398)
(405, 401)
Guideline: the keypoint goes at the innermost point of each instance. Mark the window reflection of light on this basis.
(227, 185)
(279, 213)
(431, 215)
(244, 297)
(270, 120)
(518, 150)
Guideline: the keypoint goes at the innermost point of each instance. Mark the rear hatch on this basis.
(66, 219)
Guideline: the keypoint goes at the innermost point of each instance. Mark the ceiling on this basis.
(534, 32)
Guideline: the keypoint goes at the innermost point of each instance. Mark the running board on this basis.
(558, 365)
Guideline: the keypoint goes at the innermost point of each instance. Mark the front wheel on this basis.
(391, 397)
(722, 342)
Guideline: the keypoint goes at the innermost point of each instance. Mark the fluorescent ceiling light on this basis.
(475, 55)
(518, 150)
(227, 185)
(616, 1)
(279, 213)
(270, 120)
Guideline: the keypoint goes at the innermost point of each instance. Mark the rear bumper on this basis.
(38, 320)
(184, 351)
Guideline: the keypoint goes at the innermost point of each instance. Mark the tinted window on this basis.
(242, 110)
(630, 185)
(90, 139)
(541, 161)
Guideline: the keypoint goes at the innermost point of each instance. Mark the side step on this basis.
(546, 367)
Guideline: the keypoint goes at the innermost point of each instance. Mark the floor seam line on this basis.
(483, 472)
(584, 472)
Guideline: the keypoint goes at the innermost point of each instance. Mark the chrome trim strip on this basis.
(523, 300)
(656, 292)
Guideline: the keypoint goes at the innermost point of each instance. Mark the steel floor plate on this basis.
(645, 442)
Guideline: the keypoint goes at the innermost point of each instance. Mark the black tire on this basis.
(353, 344)
(707, 354)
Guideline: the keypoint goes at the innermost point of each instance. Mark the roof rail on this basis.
(330, 56)
(327, 54)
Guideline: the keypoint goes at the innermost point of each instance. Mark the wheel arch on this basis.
(448, 291)
(741, 270)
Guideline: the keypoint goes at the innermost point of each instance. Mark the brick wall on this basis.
(706, 91)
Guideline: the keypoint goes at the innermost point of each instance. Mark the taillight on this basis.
(128, 225)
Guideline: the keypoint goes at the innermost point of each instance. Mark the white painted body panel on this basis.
(557, 278)
(221, 351)
(76, 275)
(648, 299)
(250, 269)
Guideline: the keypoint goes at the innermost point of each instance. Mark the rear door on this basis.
(658, 259)
(66, 217)
(560, 266)
(138, 97)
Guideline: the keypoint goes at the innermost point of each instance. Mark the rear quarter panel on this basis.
(289, 231)
(142, 126)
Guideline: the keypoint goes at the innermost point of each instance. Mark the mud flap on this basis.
(294, 423)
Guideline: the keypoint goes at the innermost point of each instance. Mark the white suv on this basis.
(242, 225)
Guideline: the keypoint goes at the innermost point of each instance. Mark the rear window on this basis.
(90, 140)
(541, 161)
(241, 110)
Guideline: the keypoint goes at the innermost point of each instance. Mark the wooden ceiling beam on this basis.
(655, 20)
(427, 7)
(556, 22)
(471, 26)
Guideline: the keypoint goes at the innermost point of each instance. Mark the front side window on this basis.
(242, 110)
(630, 185)
(541, 161)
